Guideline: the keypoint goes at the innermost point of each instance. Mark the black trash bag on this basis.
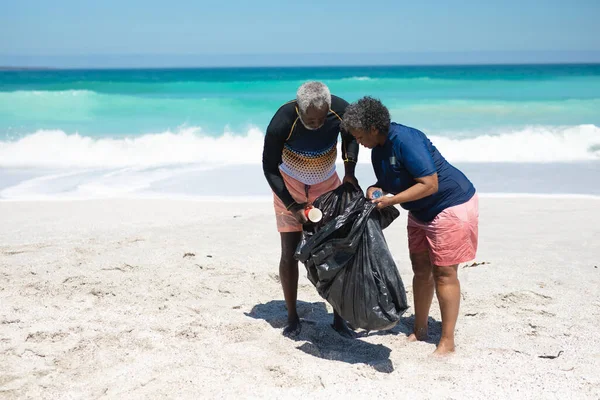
(348, 260)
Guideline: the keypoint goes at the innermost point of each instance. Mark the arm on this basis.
(350, 156)
(349, 143)
(271, 159)
(417, 159)
(425, 186)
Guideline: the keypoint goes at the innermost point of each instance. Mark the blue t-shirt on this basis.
(408, 154)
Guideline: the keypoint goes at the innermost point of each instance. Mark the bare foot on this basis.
(444, 348)
(418, 335)
(341, 327)
(292, 329)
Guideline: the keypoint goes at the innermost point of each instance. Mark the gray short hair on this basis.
(314, 94)
(365, 114)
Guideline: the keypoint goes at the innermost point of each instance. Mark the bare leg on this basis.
(288, 273)
(423, 285)
(447, 288)
(342, 327)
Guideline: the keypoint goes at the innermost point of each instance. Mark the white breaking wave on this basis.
(358, 78)
(534, 144)
(57, 149)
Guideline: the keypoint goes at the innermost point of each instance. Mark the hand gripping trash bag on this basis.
(348, 260)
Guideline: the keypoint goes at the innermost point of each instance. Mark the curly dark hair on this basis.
(365, 114)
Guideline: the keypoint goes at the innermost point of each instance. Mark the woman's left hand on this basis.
(383, 202)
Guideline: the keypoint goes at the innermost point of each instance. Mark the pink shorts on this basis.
(450, 238)
(286, 222)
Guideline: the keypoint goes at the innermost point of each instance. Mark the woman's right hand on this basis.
(372, 190)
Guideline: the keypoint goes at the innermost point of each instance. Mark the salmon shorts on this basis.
(301, 193)
(451, 237)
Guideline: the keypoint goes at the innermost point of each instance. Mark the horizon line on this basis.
(282, 60)
(8, 68)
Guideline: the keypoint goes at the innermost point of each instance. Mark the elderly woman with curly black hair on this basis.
(442, 204)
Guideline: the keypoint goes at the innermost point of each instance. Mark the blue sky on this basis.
(109, 32)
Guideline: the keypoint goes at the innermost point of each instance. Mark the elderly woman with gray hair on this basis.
(442, 204)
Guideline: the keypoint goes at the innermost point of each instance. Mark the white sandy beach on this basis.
(97, 300)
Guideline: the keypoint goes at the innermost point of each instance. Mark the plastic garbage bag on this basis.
(348, 260)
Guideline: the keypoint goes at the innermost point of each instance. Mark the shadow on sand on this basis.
(320, 340)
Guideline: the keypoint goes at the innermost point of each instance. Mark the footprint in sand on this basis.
(528, 297)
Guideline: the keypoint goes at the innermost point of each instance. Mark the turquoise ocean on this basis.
(65, 134)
